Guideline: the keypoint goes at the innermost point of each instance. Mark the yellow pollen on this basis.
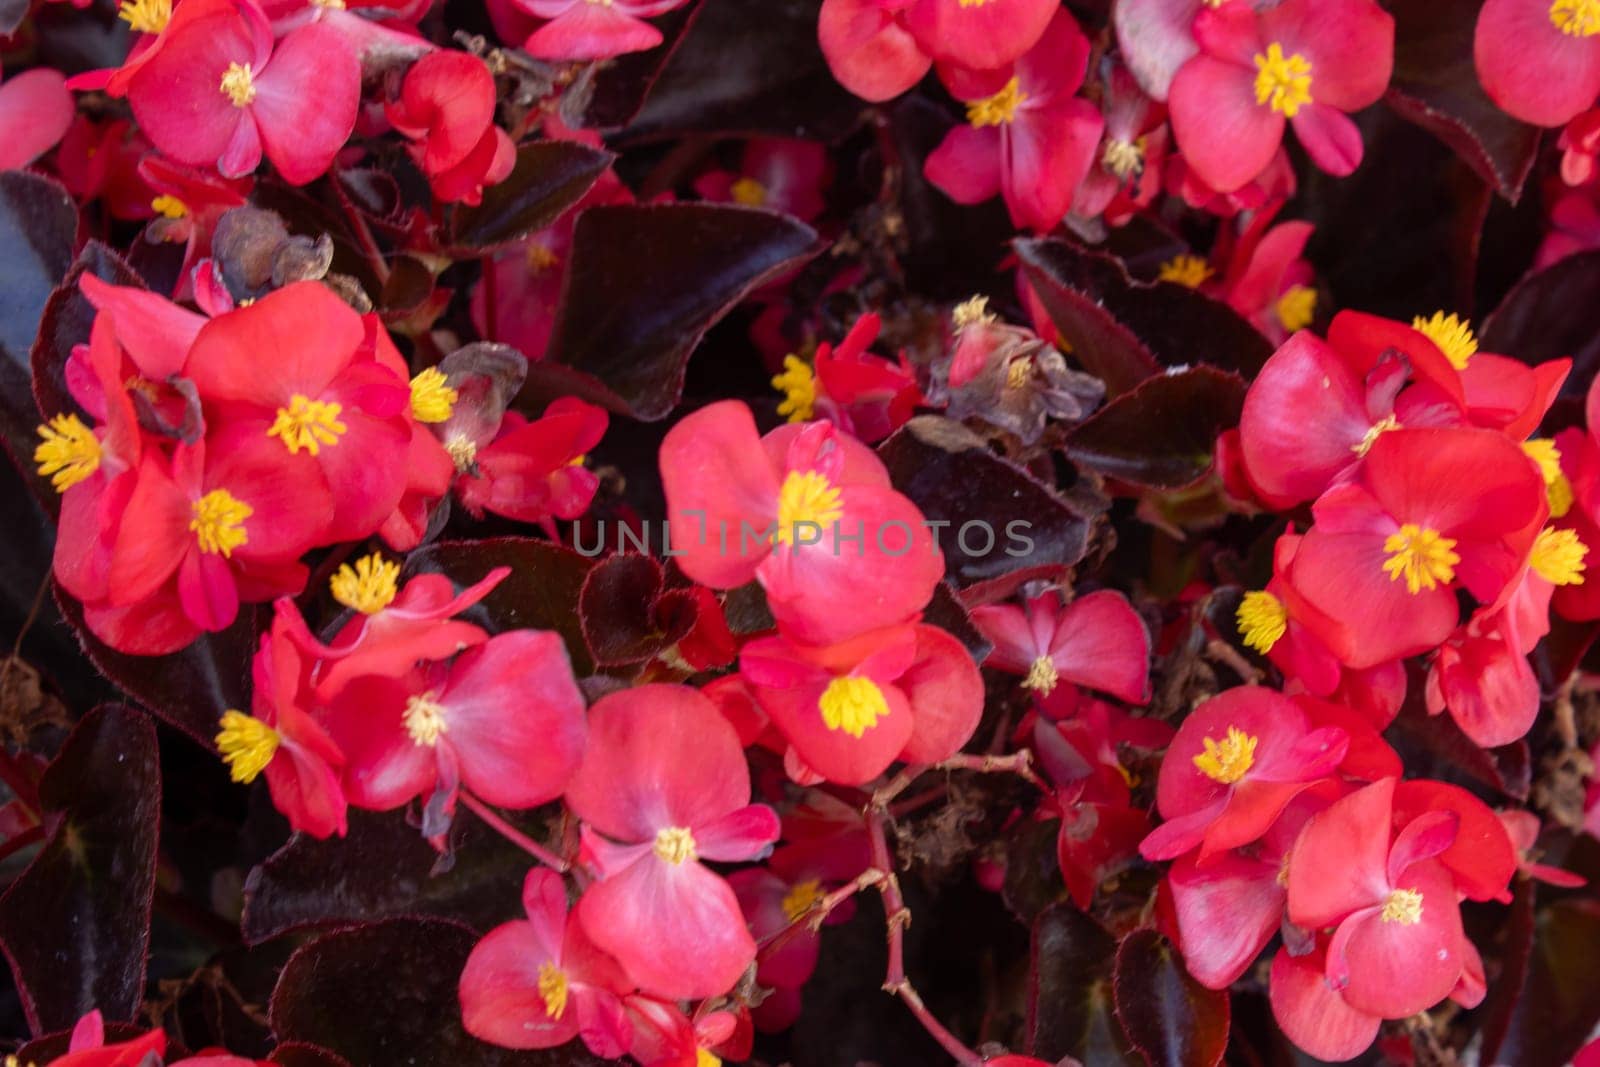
(369, 587)
(1424, 556)
(999, 109)
(1558, 489)
(331, 5)
(247, 745)
(1230, 759)
(68, 453)
(1188, 271)
(307, 424)
(1042, 676)
(1123, 159)
(462, 452)
(675, 844)
(1262, 620)
(1019, 373)
(749, 192)
(1297, 307)
(973, 312)
(705, 1057)
(238, 84)
(807, 499)
(218, 522)
(971, 3)
(1375, 431)
(853, 705)
(169, 207)
(1557, 556)
(1576, 18)
(1283, 83)
(1453, 335)
(432, 399)
(1404, 906)
(424, 719)
(146, 16)
(799, 900)
(553, 989)
(799, 388)
(541, 259)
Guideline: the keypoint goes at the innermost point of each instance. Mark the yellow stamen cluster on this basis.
(971, 312)
(1283, 83)
(749, 192)
(247, 745)
(541, 258)
(239, 84)
(1557, 488)
(1123, 159)
(424, 719)
(1452, 334)
(1042, 676)
(218, 522)
(1230, 759)
(146, 16)
(1558, 556)
(307, 424)
(432, 399)
(1425, 557)
(999, 109)
(675, 845)
(798, 385)
(462, 451)
(800, 899)
(553, 989)
(705, 1057)
(1375, 431)
(1403, 906)
(169, 207)
(853, 705)
(67, 453)
(806, 499)
(1262, 620)
(1297, 307)
(1576, 18)
(1186, 270)
(369, 586)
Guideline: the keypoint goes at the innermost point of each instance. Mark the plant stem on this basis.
(512, 834)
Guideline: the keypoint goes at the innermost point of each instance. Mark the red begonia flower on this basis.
(1097, 641)
(187, 205)
(1303, 62)
(869, 48)
(1398, 947)
(1482, 858)
(1523, 829)
(1096, 840)
(446, 108)
(1267, 280)
(87, 1046)
(302, 371)
(863, 394)
(775, 172)
(582, 29)
(663, 785)
(1538, 59)
(1027, 136)
(533, 471)
(504, 721)
(218, 92)
(834, 530)
(1127, 175)
(539, 982)
(1313, 1014)
(35, 111)
(978, 36)
(1429, 508)
(1236, 762)
(1483, 677)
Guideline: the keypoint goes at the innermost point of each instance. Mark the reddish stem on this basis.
(17, 842)
(512, 834)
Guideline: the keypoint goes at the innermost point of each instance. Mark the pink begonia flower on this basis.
(1539, 59)
(35, 111)
(664, 784)
(980, 36)
(1305, 62)
(777, 172)
(869, 48)
(218, 91)
(1097, 641)
(1027, 137)
(584, 29)
(539, 982)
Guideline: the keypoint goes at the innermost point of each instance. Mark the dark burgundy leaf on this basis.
(748, 69)
(385, 994)
(550, 177)
(383, 868)
(1125, 331)
(947, 612)
(1171, 1018)
(1033, 871)
(619, 611)
(1433, 746)
(67, 317)
(541, 592)
(644, 284)
(1559, 1005)
(1552, 314)
(1436, 86)
(1070, 990)
(616, 90)
(189, 689)
(12, 12)
(1163, 432)
(1003, 523)
(301, 1054)
(1506, 991)
(76, 924)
